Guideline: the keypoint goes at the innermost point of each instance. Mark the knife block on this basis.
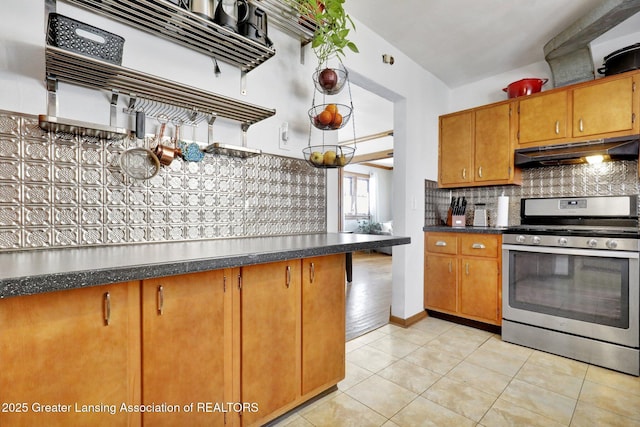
(449, 217)
(458, 221)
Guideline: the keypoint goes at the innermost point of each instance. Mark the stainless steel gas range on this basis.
(570, 283)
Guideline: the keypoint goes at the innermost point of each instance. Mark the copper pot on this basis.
(524, 87)
(165, 153)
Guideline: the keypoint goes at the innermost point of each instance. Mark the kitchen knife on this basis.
(463, 208)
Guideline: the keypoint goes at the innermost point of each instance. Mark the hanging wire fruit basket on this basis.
(330, 116)
(327, 117)
(330, 81)
(328, 156)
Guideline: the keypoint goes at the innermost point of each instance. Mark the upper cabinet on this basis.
(476, 147)
(598, 109)
(543, 118)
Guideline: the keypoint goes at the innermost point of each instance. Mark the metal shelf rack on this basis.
(69, 67)
(169, 21)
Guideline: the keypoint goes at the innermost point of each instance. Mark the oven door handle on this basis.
(571, 251)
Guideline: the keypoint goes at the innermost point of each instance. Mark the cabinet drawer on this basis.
(441, 243)
(484, 245)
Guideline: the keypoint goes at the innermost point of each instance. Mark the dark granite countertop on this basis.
(480, 230)
(32, 272)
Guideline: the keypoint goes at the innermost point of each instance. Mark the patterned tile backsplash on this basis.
(60, 190)
(606, 179)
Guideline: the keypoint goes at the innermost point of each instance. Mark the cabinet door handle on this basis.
(464, 173)
(466, 268)
(107, 308)
(480, 171)
(450, 269)
(160, 301)
(288, 283)
(478, 246)
(557, 127)
(580, 125)
(441, 243)
(312, 272)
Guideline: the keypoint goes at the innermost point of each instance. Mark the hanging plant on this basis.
(331, 26)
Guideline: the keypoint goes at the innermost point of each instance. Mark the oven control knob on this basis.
(520, 239)
(612, 244)
(563, 241)
(535, 240)
(592, 243)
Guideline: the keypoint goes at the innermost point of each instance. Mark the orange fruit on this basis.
(337, 121)
(331, 108)
(325, 118)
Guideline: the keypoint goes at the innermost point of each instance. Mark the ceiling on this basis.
(462, 41)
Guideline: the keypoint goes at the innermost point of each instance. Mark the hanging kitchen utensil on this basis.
(191, 151)
(165, 153)
(139, 162)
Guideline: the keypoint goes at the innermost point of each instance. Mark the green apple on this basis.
(316, 158)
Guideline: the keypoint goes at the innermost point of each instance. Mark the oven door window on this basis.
(587, 288)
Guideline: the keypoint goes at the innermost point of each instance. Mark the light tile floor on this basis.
(438, 373)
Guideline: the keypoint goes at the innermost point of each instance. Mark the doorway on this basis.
(365, 206)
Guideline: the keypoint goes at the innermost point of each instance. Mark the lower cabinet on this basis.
(293, 333)
(462, 275)
(186, 347)
(323, 322)
(270, 325)
(239, 347)
(71, 357)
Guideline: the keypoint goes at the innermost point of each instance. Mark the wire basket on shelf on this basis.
(328, 156)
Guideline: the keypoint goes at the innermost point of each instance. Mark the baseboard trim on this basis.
(405, 323)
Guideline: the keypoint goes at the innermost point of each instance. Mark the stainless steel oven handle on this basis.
(571, 251)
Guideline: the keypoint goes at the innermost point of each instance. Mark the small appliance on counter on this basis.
(480, 217)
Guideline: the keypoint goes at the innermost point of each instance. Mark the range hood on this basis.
(621, 148)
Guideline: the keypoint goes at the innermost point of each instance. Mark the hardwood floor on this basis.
(369, 294)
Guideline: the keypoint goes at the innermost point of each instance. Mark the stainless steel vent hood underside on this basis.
(621, 148)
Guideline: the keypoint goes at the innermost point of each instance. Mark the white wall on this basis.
(490, 90)
(281, 83)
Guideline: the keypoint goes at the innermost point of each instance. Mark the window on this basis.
(355, 187)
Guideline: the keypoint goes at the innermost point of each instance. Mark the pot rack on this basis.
(166, 20)
(70, 67)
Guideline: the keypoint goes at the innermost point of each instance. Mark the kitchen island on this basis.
(222, 332)
(32, 272)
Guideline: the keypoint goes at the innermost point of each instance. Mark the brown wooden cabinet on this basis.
(293, 333)
(602, 108)
(186, 346)
(270, 338)
(462, 275)
(323, 322)
(456, 149)
(476, 147)
(543, 117)
(73, 350)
